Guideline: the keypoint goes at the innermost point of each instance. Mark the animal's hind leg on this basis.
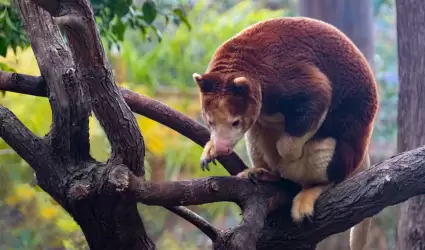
(303, 203)
(316, 158)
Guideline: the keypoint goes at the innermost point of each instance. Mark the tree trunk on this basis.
(411, 111)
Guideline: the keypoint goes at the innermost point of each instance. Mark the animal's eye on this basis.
(235, 123)
(210, 122)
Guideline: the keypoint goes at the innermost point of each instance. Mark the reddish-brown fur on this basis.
(303, 66)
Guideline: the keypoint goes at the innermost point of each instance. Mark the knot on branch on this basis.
(119, 178)
(212, 185)
(79, 190)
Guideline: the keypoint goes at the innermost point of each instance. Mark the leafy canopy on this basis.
(113, 18)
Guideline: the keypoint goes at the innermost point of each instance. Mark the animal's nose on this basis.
(222, 147)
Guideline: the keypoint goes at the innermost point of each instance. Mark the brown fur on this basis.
(305, 97)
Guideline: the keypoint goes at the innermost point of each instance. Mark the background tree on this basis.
(343, 14)
(411, 110)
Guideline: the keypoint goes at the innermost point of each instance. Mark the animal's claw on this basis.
(205, 163)
(207, 156)
(252, 177)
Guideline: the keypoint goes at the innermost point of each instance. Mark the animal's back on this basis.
(276, 50)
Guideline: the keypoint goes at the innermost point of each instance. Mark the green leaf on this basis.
(3, 14)
(182, 17)
(118, 29)
(3, 48)
(120, 8)
(6, 67)
(143, 32)
(11, 24)
(157, 32)
(149, 11)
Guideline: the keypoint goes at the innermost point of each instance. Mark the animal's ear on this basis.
(240, 86)
(204, 83)
(198, 79)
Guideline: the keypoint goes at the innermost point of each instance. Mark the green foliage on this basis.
(113, 19)
(11, 32)
(184, 52)
(147, 18)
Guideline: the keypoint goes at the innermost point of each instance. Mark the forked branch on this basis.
(69, 136)
(140, 104)
(77, 19)
(339, 208)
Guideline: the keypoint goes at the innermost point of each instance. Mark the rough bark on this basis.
(337, 209)
(411, 112)
(75, 81)
(102, 196)
(140, 104)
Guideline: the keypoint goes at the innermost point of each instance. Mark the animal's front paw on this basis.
(259, 174)
(303, 203)
(208, 155)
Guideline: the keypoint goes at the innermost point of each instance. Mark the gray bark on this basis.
(411, 112)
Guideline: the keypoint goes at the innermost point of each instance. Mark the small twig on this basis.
(202, 224)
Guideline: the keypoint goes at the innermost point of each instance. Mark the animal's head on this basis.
(230, 105)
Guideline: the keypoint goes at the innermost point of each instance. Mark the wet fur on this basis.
(297, 71)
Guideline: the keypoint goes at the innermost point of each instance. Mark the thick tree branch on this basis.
(202, 224)
(77, 19)
(139, 104)
(69, 136)
(21, 139)
(71, 176)
(339, 208)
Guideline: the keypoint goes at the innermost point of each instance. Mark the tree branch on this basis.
(339, 208)
(139, 104)
(23, 84)
(21, 139)
(179, 122)
(77, 20)
(203, 225)
(69, 136)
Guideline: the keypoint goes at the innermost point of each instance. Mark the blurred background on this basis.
(154, 49)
